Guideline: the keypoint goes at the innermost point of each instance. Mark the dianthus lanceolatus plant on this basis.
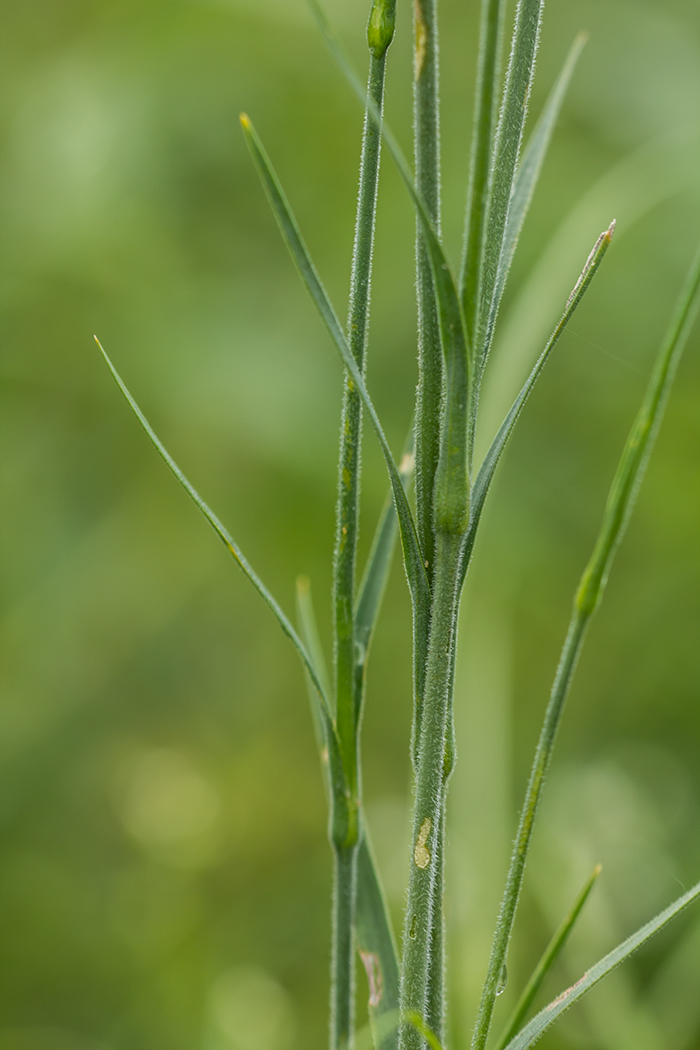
(437, 495)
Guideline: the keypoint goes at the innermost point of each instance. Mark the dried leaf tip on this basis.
(610, 230)
(245, 121)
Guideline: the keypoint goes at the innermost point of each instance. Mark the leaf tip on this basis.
(245, 121)
(597, 870)
(609, 233)
(303, 584)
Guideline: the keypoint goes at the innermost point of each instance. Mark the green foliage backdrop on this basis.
(165, 873)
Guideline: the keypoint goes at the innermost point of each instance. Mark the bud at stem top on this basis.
(380, 28)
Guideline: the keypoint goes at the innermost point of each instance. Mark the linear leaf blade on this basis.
(630, 471)
(518, 83)
(228, 540)
(531, 164)
(546, 1017)
(485, 113)
(415, 569)
(377, 947)
(487, 470)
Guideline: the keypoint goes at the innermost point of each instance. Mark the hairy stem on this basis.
(423, 911)
(348, 710)
(511, 894)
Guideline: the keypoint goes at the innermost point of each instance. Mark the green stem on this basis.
(552, 718)
(351, 434)
(379, 34)
(545, 964)
(343, 947)
(426, 115)
(430, 786)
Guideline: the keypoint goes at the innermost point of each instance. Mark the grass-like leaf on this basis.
(531, 165)
(551, 954)
(516, 93)
(230, 544)
(640, 442)
(485, 110)
(415, 569)
(486, 472)
(618, 508)
(539, 1024)
(376, 573)
(377, 947)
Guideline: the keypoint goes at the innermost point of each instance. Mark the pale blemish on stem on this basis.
(421, 40)
(421, 853)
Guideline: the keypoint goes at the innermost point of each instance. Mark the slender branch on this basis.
(379, 35)
(551, 953)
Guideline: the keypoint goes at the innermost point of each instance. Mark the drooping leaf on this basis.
(223, 534)
(415, 569)
(551, 954)
(539, 1024)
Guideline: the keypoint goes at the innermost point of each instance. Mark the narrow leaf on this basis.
(531, 164)
(640, 442)
(421, 1027)
(310, 637)
(545, 964)
(377, 947)
(488, 467)
(415, 569)
(516, 94)
(376, 573)
(228, 540)
(485, 111)
(539, 1024)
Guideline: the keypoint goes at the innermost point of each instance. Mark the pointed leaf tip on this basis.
(245, 120)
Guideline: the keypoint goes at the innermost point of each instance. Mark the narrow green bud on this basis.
(381, 25)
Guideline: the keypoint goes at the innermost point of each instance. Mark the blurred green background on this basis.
(165, 875)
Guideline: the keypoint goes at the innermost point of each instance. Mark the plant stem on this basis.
(343, 976)
(351, 434)
(552, 718)
(422, 909)
(348, 710)
(426, 116)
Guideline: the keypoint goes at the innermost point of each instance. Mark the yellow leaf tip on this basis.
(245, 120)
